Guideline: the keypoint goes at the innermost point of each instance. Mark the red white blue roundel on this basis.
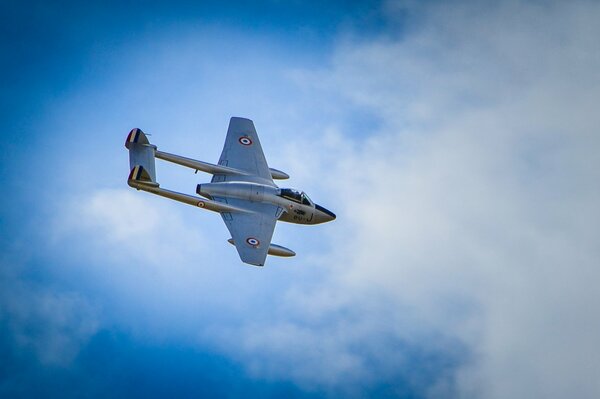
(245, 140)
(201, 204)
(252, 241)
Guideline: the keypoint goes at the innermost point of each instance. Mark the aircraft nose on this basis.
(326, 214)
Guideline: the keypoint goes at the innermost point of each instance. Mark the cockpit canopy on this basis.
(296, 196)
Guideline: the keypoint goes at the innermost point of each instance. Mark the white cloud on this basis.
(467, 216)
(51, 325)
(149, 256)
(474, 205)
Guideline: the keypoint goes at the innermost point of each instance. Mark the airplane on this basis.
(241, 190)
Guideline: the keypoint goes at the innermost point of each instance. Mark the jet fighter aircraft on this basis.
(241, 190)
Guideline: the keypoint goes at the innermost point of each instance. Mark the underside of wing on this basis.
(251, 232)
(242, 150)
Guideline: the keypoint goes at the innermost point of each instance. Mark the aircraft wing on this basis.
(242, 150)
(251, 232)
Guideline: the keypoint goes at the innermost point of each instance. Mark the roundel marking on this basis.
(252, 241)
(201, 204)
(245, 140)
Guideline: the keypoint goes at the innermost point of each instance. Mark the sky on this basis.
(457, 142)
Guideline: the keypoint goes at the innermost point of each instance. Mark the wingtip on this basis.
(239, 118)
(254, 264)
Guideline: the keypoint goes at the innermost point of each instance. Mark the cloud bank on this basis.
(458, 146)
(473, 204)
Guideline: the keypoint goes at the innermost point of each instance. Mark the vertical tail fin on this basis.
(139, 175)
(141, 153)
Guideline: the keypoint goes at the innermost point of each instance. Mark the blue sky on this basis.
(457, 143)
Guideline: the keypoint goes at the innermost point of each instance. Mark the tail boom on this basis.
(138, 179)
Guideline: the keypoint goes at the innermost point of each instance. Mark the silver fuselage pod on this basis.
(300, 210)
